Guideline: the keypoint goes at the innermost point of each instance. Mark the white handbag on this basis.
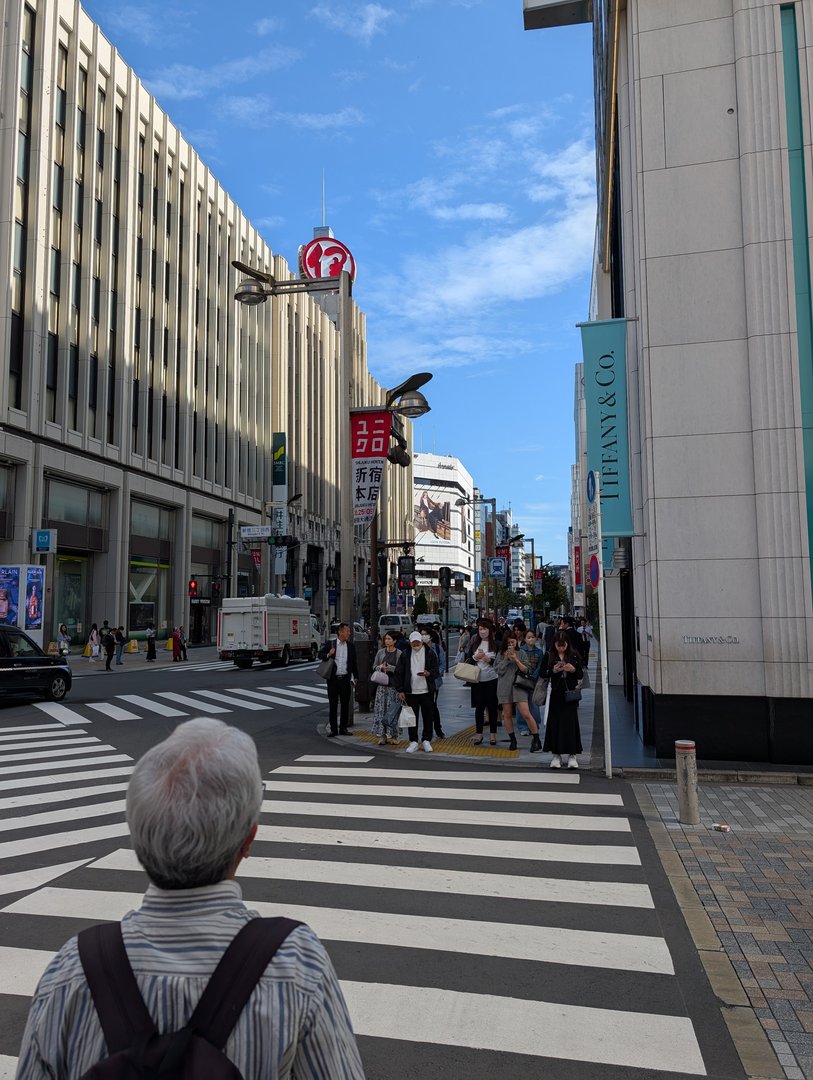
(469, 673)
(380, 678)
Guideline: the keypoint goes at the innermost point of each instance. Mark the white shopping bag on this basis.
(407, 717)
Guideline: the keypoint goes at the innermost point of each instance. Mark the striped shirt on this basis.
(295, 1024)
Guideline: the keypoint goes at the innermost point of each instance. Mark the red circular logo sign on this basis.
(325, 257)
(594, 571)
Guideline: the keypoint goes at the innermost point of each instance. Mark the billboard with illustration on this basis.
(9, 595)
(432, 517)
(33, 597)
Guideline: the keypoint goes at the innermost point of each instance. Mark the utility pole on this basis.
(229, 551)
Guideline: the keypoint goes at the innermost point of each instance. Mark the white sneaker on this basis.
(556, 762)
(413, 746)
(427, 746)
(572, 762)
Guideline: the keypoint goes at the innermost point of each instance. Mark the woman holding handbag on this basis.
(515, 684)
(563, 666)
(93, 642)
(483, 652)
(387, 703)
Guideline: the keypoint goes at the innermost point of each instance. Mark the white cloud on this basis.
(263, 27)
(472, 212)
(363, 22)
(270, 222)
(185, 81)
(257, 111)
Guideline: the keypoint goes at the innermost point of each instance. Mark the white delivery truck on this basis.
(266, 628)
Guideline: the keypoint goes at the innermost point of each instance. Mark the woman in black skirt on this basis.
(563, 666)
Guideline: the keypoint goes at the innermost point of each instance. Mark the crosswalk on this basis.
(130, 662)
(170, 704)
(500, 918)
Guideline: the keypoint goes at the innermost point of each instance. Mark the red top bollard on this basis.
(684, 745)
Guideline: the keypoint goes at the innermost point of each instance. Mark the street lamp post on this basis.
(256, 290)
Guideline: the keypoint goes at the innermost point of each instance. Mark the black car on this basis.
(26, 670)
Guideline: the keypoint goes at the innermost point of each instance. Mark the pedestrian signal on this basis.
(193, 587)
(406, 572)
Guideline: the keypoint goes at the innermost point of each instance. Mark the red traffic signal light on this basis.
(406, 572)
(193, 587)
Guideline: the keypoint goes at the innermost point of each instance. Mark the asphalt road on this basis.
(485, 923)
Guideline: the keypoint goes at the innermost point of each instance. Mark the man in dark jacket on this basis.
(414, 679)
(340, 684)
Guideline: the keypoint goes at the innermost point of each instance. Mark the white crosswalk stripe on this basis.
(164, 703)
(409, 856)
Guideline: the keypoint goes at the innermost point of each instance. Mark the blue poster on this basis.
(33, 597)
(604, 347)
(9, 594)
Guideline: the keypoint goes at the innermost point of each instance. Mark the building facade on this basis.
(703, 140)
(444, 531)
(138, 400)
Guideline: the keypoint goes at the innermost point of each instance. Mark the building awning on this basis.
(541, 14)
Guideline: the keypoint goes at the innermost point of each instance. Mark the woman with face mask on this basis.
(483, 652)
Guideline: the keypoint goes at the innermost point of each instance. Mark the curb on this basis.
(747, 1033)
(718, 776)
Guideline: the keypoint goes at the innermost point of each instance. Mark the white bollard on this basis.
(686, 767)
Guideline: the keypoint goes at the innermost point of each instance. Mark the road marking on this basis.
(55, 753)
(408, 791)
(107, 708)
(331, 757)
(256, 695)
(238, 703)
(36, 731)
(152, 706)
(46, 765)
(505, 776)
(451, 816)
(311, 688)
(21, 969)
(61, 713)
(588, 854)
(53, 841)
(295, 695)
(184, 699)
(66, 795)
(418, 879)
(26, 880)
(66, 778)
(518, 1026)
(68, 813)
(73, 740)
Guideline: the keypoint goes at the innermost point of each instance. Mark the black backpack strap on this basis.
(119, 1004)
(236, 976)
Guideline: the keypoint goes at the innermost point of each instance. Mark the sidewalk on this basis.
(457, 721)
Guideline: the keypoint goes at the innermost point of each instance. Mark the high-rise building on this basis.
(703, 120)
(444, 530)
(138, 400)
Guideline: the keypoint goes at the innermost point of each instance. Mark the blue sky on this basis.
(458, 153)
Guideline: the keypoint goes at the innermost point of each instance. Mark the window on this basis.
(151, 521)
(74, 504)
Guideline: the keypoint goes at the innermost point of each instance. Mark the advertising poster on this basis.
(433, 517)
(369, 441)
(9, 594)
(33, 597)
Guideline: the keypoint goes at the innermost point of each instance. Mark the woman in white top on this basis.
(483, 651)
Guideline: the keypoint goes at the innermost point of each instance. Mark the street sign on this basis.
(503, 551)
(595, 571)
(497, 567)
(257, 557)
(308, 592)
(256, 532)
(43, 541)
(591, 486)
(331, 597)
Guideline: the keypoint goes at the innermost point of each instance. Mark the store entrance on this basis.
(71, 592)
(200, 632)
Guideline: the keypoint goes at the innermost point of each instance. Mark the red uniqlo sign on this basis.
(539, 575)
(577, 566)
(369, 442)
(503, 551)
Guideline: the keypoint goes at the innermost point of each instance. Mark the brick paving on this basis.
(756, 885)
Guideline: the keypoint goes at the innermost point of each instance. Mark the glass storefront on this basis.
(71, 600)
(148, 600)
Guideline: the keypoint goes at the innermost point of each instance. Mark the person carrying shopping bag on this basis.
(385, 724)
(415, 676)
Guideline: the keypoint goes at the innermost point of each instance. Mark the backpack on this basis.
(135, 1049)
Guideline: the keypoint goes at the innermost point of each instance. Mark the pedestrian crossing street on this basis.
(501, 916)
(168, 703)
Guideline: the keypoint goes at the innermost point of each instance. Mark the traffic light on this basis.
(281, 541)
(215, 589)
(406, 572)
(445, 577)
(382, 567)
(193, 588)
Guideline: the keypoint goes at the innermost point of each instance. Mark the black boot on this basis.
(512, 741)
(535, 743)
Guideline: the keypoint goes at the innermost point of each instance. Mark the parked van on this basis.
(401, 623)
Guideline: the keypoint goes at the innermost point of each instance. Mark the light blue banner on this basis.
(604, 347)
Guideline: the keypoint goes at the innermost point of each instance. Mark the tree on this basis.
(554, 595)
